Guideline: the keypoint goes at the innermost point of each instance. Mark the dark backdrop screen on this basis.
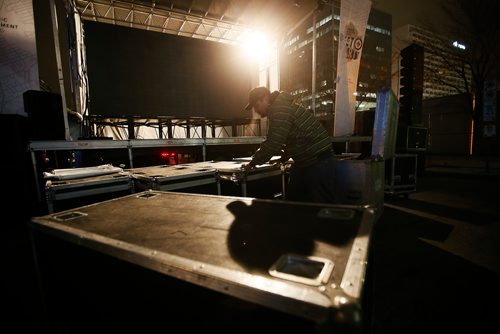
(134, 72)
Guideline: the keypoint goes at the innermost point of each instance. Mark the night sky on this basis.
(416, 12)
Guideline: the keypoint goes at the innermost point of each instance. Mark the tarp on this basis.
(76, 173)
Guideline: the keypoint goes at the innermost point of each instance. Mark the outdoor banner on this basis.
(18, 60)
(353, 19)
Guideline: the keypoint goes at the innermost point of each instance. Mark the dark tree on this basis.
(474, 24)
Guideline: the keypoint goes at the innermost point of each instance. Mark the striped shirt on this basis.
(292, 125)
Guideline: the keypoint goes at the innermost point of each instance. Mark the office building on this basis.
(442, 77)
(296, 63)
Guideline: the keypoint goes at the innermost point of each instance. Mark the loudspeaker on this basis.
(411, 85)
(417, 139)
(411, 139)
(13, 137)
(18, 181)
(45, 115)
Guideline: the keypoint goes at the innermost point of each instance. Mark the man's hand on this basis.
(247, 167)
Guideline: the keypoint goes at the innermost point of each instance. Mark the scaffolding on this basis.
(167, 127)
(189, 22)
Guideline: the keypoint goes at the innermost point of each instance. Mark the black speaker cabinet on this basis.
(13, 136)
(411, 83)
(18, 181)
(417, 138)
(45, 114)
(411, 139)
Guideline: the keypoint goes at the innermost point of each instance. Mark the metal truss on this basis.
(171, 127)
(162, 19)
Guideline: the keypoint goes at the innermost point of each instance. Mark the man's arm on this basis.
(279, 128)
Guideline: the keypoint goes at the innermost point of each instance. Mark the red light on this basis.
(172, 154)
(164, 154)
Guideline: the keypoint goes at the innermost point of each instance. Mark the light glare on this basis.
(257, 46)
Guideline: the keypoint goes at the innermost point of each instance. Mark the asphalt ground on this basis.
(435, 260)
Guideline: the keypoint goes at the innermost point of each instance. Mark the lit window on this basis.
(458, 45)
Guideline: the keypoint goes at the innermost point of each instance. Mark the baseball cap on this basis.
(254, 95)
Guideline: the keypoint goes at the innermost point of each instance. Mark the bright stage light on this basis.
(257, 46)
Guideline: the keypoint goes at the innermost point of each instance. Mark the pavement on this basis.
(463, 165)
(435, 261)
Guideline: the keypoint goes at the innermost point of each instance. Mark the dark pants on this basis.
(313, 183)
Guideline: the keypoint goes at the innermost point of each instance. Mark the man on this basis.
(303, 138)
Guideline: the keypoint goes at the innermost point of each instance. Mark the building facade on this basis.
(443, 71)
(302, 58)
